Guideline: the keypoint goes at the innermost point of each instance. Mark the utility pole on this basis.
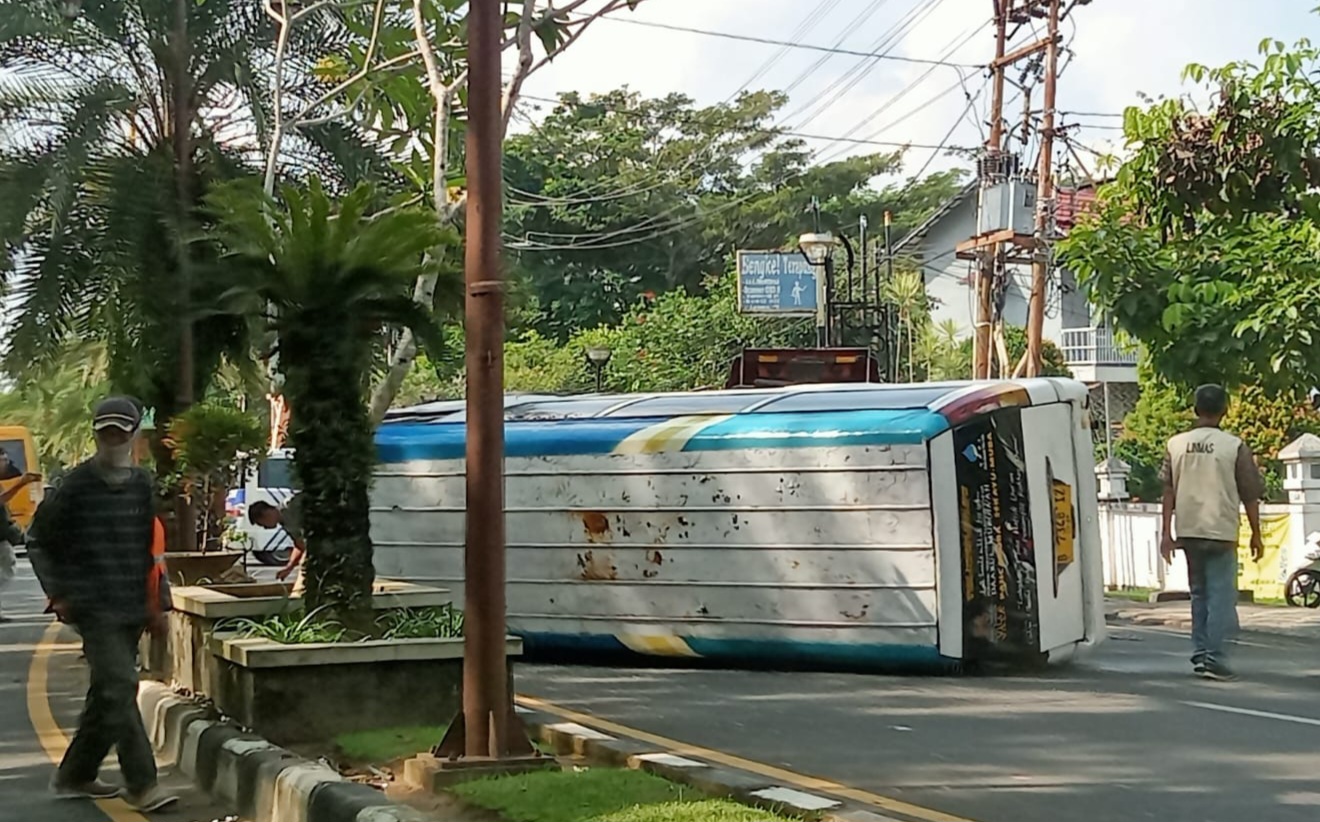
(988, 255)
(999, 240)
(185, 511)
(1041, 253)
(485, 726)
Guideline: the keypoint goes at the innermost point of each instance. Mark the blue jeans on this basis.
(1212, 572)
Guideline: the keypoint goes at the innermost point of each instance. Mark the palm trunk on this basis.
(331, 435)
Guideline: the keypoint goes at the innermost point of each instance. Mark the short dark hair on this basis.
(258, 510)
(1211, 401)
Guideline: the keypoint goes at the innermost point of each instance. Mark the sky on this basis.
(1121, 48)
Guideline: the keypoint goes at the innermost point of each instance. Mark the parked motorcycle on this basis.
(1302, 590)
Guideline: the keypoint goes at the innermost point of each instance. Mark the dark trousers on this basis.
(110, 717)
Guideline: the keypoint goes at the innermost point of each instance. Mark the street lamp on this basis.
(598, 356)
(818, 248)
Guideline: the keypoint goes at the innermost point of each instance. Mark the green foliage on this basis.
(303, 627)
(294, 628)
(208, 439)
(615, 196)
(680, 341)
(1266, 420)
(92, 224)
(333, 277)
(1206, 245)
(55, 402)
(444, 622)
(601, 795)
(384, 745)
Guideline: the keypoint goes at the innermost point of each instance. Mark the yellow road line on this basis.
(53, 739)
(797, 780)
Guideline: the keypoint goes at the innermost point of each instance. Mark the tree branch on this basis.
(277, 127)
(527, 65)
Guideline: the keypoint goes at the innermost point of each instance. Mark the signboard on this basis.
(776, 282)
(1000, 606)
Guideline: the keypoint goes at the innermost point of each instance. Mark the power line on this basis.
(788, 44)
(771, 131)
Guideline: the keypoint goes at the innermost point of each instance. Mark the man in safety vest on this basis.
(1209, 475)
(97, 548)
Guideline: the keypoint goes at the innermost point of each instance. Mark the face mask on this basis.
(117, 456)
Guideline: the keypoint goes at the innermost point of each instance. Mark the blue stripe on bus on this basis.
(819, 429)
(403, 442)
(878, 657)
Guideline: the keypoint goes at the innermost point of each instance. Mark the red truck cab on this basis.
(771, 367)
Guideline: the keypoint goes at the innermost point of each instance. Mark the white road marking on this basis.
(1229, 709)
(798, 799)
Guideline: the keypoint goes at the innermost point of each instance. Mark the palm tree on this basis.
(91, 217)
(907, 292)
(332, 282)
(100, 202)
(54, 402)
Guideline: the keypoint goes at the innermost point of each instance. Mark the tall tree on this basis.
(91, 223)
(1206, 245)
(614, 195)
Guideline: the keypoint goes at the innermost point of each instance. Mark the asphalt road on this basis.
(1127, 735)
(25, 762)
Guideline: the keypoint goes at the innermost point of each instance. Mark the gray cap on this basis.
(117, 412)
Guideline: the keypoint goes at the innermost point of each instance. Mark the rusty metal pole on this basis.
(994, 147)
(186, 512)
(1040, 264)
(485, 676)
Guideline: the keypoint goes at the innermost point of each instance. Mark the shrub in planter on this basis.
(329, 278)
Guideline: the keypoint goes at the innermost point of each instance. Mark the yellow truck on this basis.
(19, 473)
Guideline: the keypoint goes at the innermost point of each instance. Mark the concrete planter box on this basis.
(184, 660)
(304, 693)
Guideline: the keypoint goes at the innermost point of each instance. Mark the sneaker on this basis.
(1218, 672)
(96, 789)
(152, 799)
(1198, 664)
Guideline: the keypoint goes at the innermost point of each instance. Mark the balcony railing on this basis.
(1095, 346)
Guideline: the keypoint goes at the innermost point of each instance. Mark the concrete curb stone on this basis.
(263, 781)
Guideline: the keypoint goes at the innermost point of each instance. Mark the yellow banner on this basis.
(1266, 577)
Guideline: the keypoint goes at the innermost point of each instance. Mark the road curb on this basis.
(573, 739)
(1151, 619)
(261, 780)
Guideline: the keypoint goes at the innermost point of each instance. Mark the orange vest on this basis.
(157, 572)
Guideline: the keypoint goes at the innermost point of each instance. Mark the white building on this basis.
(1070, 321)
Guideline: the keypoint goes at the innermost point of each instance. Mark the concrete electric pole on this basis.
(990, 169)
(1041, 252)
(999, 239)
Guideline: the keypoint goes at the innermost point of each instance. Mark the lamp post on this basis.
(598, 356)
(818, 248)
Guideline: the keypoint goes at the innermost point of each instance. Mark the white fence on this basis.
(1130, 537)
(1130, 533)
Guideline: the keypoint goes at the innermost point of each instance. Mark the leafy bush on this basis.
(444, 622)
(305, 628)
(294, 628)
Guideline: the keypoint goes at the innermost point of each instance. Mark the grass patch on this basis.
(388, 744)
(601, 795)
